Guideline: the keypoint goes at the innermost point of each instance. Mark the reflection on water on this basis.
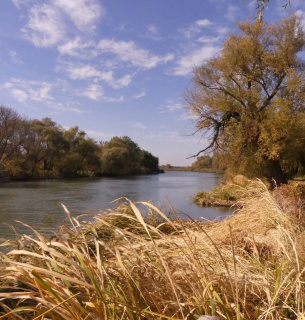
(38, 203)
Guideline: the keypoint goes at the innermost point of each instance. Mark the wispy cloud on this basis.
(233, 12)
(93, 92)
(123, 51)
(15, 57)
(186, 64)
(195, 28)
(84, 13)
(114, 99)
(153, 32)
(23, 90)
(99, 135)
(45, 27)
(138, 125)
(19, 95)
(77, 47)
(139, 95)
(49, 24)
(203, 23)
(128, 51)
(62, 107)
(207, 39)
(171, 106)
(87, 72)
(188, 116)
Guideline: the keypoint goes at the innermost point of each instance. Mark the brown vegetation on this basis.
(121, 266)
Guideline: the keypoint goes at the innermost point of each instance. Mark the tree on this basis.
(10, 137)
(149, 163)
(202, 163)
(121, 156)
(251, 98)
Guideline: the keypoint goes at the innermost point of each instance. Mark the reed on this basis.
(136, 263)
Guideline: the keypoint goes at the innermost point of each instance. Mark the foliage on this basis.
(202, 164)
(123, 156)
(43, 149)
(251, 99)
(120, 266)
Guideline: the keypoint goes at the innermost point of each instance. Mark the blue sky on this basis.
(116, 67)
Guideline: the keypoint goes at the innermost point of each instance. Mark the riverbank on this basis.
(124, 266)
(227, 194)
(80, 176)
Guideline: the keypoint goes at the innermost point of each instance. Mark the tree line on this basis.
(33, 149)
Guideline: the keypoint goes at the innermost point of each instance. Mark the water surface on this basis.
(37, 202)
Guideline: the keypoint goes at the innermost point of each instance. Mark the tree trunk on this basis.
(276, 173)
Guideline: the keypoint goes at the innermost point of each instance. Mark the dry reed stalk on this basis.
(249, 266)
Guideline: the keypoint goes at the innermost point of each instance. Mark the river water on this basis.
(36, 203)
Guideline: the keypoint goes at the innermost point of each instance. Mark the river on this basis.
(36, 203)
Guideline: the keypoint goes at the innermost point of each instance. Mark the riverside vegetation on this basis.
(31, 149)
(136, 263)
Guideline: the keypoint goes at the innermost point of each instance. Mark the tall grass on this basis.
(135, 263)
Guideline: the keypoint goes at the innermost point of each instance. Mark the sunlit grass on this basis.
(135, 263)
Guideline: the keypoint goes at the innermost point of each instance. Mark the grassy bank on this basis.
(121, 266)
(226, 195)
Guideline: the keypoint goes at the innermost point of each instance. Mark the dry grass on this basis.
(124, 266)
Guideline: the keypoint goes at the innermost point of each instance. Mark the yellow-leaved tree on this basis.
(250, 99)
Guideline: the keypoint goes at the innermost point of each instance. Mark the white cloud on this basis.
(203, 23)
(77, 48)
(186, 64)
(23, 90)
(139, 95)
(233, 13)
(101, 136)
(114, 99)
(188, 116)
(86, 71)
(61, 107)
(121, 82)
(19, 95)
(7, 85)
(207, 39)
(93, 92)
(121, 51)
(15, 58)
(84, 13)
(48, 24)
(195, 28)
(171, 106)
(45, 27)
(127, 51)
(153, 32)
(138, 125)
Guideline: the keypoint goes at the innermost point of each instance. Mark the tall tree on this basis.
(251, 98)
